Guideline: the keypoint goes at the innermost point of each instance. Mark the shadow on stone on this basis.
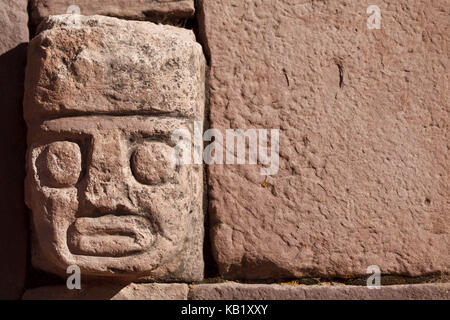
(110, 291)
(13, 228)
(62, 293)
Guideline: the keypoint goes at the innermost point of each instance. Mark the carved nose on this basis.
(106, 197)
(106, 189)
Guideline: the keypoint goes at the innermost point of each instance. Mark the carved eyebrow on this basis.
(147, 126)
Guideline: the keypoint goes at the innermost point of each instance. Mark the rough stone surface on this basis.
(364, 137)
(155, 10)
(285, 292)
(102, 101)
(14, 24)
(111, 292)
(13, 226)
(112, 66)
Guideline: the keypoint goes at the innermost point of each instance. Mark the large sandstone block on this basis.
(13, 226)
(102, 101)
(149, 291)
(339, 292)
(159, 10)
(363, 115)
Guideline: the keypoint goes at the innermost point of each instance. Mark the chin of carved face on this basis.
(106, 195)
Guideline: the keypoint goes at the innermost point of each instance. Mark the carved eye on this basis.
(60, 164)
(152, 163)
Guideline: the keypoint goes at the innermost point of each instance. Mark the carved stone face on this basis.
(106, 194)
(103, 188)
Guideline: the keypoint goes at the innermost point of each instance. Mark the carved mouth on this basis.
(110, 235)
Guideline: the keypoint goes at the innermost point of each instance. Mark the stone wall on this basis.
(363, 116)
(129, 171)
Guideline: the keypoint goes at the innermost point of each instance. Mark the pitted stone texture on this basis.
(107, 65)
(155, 10)
(111, 292)
(13, 226)
(364, 137)
(338, 292)
(104, 192)
(13, 23)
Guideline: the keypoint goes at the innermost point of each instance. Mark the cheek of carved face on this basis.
(60, 164)
(152, 163)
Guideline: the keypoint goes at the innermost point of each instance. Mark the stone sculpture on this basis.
(101, 102)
